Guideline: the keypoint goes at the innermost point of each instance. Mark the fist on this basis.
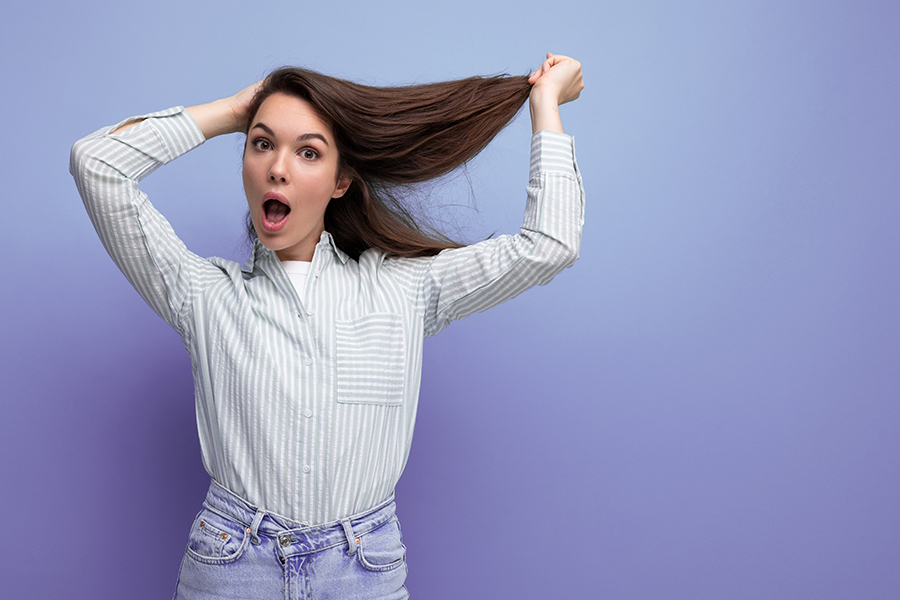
(558, 78)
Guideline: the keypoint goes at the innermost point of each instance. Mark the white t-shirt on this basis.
(298, 271)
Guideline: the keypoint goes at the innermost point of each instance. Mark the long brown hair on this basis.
(390, 137)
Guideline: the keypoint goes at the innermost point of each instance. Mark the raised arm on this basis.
(462, 281)
(108, 166)
(219, 117)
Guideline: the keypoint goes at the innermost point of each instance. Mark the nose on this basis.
(278, 169)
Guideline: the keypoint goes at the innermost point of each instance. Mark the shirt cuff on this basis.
(162, 136)
(552, 152)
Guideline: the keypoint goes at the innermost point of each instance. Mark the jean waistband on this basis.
(295, 537)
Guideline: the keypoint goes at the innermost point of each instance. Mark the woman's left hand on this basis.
(559, 78)
(557, 81)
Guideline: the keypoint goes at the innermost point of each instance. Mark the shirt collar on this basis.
(257, 253)
(328, 239)
(260, 253)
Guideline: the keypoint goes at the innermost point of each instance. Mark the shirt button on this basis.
(308, 413)
(306, 468)
(310, 311)
(308, 361)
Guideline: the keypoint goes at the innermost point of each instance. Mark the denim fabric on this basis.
(237, 551)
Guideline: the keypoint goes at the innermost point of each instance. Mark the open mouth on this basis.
(275, 213)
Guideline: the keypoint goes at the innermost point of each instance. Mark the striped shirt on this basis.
(306, 402)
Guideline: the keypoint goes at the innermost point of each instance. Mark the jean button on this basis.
(285, 541)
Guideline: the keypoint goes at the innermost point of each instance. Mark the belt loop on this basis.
(352, 540)
(254, 527)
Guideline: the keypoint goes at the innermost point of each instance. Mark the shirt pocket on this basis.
(370, 354)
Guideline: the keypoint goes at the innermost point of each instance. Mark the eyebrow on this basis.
(301, 138)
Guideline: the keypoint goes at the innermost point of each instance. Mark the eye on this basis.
(309, 154)
(262, 144)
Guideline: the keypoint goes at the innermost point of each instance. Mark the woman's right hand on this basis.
(240, 105)
(228, 115)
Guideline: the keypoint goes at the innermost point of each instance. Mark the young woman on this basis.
(307, 358)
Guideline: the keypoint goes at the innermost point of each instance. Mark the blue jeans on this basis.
(236, 550)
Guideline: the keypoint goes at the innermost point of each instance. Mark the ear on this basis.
(343, 184)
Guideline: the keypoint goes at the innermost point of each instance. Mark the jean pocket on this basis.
(382, 549)
(216, 540)
(370, 354)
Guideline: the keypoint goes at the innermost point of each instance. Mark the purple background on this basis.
(705, 406)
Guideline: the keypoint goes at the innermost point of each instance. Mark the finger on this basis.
(540, 71)
(556, 59)
(552, 61)
(549, 63)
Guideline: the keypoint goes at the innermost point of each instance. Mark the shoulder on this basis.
(393, 272)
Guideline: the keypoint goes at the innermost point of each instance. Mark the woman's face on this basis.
(290, 175)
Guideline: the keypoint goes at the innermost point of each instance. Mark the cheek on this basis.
(251, 174)
(320, 179)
